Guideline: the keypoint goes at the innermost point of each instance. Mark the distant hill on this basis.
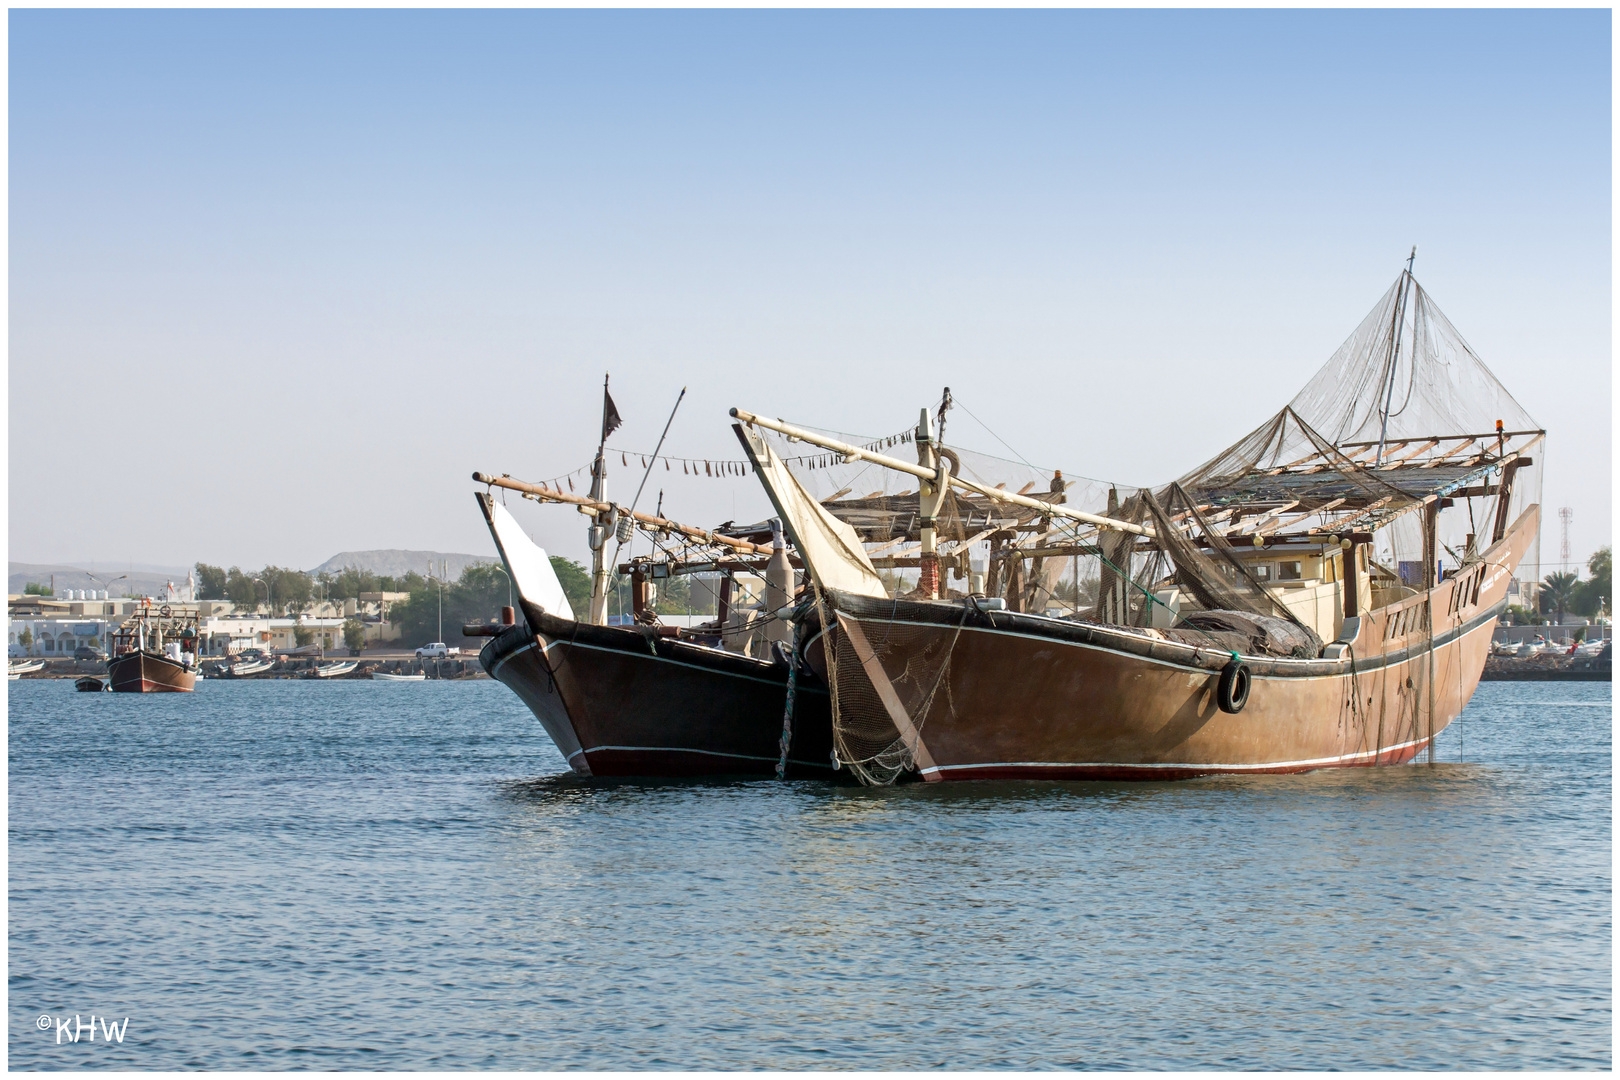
(395, 562)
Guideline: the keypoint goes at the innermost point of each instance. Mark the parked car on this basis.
(437, 650)
(89, 652)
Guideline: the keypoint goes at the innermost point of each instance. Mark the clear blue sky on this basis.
(281, 280)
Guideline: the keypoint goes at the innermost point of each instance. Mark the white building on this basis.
(57, 638)
(222, 636)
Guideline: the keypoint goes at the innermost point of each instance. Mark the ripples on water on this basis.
(363, 875)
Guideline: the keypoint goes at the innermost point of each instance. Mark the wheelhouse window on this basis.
(1262, 571)
(1289, 571)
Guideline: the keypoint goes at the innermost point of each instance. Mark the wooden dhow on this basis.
(1319, 595)
(644, 699)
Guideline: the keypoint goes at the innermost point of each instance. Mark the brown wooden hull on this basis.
(619, 702)
(1027, 697)
(149, 673)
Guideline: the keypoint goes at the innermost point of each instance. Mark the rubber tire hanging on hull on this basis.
(1233, 691)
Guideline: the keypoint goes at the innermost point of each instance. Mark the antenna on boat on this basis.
(648, 472)
(1407, 282)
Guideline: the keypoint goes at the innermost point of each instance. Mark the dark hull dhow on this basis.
(143, 672)
(626, 702)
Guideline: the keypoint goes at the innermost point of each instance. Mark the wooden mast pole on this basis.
(930, 496)
(1395, 353)
(601, 521)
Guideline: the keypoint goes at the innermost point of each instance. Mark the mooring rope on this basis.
(787, 711)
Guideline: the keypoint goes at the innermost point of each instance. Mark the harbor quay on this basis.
(53, 628)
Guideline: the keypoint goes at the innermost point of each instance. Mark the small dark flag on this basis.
(610, 415)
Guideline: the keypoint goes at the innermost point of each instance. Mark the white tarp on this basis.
(830, 549)
(530, 567)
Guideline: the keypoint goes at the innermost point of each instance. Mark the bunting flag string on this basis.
(724, 467)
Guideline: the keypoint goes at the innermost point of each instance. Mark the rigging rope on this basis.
(787, 709)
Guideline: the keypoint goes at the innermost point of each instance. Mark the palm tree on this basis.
(1557, 590)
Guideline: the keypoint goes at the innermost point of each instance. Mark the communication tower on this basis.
(1565, 514)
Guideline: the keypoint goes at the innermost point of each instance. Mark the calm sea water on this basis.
(365, 875)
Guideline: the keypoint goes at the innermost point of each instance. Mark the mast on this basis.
(1395, 352)
(930, 496)
(602, 521)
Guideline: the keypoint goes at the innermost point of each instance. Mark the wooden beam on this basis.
(1430, 445)
(1447, 438)
(1338, 526)
(1041, 508)
(885, 691)
(1324, 508)
(546, 494)
(1259, 522)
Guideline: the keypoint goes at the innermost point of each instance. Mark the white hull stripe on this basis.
(515, 652)
(689, 750)
(1221, 767)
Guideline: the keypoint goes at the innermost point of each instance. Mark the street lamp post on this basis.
(508, 578)
(106, 584)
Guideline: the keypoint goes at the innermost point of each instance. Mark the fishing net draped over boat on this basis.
(1404, 415)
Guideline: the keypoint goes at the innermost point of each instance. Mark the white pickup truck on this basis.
(436, 650)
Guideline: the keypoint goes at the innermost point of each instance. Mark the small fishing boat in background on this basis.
(1528, 649)
(16, 668)
(383, 676)
(89, 684)
(251, 666)
(336, 668)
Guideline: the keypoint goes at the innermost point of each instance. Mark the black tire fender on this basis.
(1232, 693)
